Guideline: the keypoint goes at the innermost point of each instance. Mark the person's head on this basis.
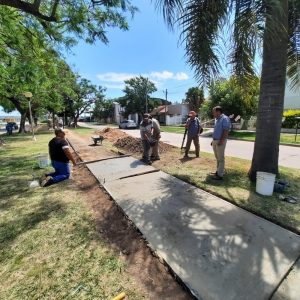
(192, 114)
(59, 132)
(145, 118)
(217, 111)
(150, 117)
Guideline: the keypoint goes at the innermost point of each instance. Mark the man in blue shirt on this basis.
(220, 134)
(193, 127)
(146, 130)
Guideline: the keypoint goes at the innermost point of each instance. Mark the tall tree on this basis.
(226, 94)
(86, 95)
(137, 99)
(104, 109)
(194, 97)
(274, 25)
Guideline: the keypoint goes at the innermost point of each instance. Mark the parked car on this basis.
(13, 124)
(126, 124)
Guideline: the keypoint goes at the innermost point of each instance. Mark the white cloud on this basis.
(158, 78)
(163, 75)
(181, 76)
(115, 77)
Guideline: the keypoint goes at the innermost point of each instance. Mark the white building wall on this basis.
(291, 99)
(174, 120)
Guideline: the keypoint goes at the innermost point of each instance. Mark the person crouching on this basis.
(60, 155)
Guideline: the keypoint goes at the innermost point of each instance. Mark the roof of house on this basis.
(160, 109)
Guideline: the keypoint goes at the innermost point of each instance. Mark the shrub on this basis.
(290, 121)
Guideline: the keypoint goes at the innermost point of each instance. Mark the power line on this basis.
(176, 87)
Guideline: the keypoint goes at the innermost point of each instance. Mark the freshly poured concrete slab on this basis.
(217, 249)
(112, 169)
(290, 287)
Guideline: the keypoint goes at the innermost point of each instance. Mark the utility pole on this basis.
(146, 97)
(166, 107)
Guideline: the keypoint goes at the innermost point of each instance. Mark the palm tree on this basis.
(272, 25)
(194, 97)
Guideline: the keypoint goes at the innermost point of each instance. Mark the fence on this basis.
(175, 120)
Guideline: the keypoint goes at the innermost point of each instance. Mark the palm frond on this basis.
(170, 10)
(200, 23)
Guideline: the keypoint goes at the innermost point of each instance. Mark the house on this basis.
(118, 117)
(174, 114)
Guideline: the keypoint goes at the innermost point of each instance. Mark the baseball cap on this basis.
(58, 130)
(192, 113)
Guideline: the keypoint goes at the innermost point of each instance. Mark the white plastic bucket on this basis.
(265, 183)
(43, 160)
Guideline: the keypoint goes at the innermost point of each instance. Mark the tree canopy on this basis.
(226, 94)
(194, 97)
(137, 90)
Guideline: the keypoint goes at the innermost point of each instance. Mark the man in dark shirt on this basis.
(60, 155)
(193, 127)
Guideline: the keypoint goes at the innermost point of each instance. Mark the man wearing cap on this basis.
(60, 155)
(155, 136)
(220, 134)
(193, 127)
(146, 130)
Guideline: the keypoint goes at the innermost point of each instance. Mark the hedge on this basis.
(290, 121)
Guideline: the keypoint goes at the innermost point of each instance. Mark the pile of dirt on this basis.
(112, 134)
(134, 145)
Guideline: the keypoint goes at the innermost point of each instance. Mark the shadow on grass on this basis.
(22, 222)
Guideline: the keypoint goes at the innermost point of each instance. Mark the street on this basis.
(289, 156)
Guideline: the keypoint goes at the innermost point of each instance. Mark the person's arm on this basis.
(143, 132)
(225, 132)
(226, 126)
(188, 123)
(199, 128)
(69, 155)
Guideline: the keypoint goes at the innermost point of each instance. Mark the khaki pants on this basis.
(219, 152)
(155, 151)
(196, 143)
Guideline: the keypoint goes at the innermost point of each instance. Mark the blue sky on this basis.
(148, 49)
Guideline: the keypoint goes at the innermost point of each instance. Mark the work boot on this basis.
(48, 181)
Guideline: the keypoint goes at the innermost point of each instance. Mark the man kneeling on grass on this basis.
(60, 155)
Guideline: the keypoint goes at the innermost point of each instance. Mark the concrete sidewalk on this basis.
(288, 156)
(218, 250)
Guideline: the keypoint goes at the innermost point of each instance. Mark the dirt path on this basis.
(145, 270)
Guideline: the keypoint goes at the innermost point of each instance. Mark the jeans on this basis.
(146, 147)
(219, 152)
(62, 171)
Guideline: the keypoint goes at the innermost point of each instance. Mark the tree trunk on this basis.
(22, 128)
(271, 98)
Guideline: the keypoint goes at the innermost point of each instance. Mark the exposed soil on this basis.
(146, 271)
(128, 143)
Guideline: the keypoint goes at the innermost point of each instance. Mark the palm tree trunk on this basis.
(271, 98)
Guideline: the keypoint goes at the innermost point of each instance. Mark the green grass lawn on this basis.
(49, 246)
(176, 129)
(284, 137)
